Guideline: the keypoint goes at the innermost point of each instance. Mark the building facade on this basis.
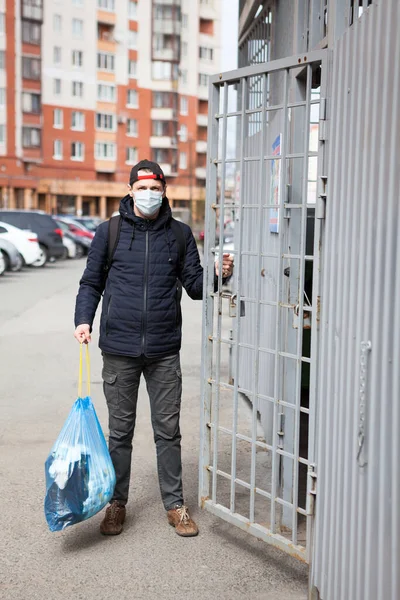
(89, 88)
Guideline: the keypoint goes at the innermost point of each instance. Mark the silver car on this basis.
(12, 258)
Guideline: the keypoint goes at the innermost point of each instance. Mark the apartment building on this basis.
(89, 87)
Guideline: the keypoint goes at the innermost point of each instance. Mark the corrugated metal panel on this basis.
(356, 553)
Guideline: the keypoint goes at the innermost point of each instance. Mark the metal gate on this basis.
(265, 173)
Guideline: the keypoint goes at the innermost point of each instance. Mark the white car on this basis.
(26, 242)
(2, 264)
(70, 246)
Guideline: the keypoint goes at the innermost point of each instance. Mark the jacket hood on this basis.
(126, 212)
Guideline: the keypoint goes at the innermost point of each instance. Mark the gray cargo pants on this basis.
(121, 377)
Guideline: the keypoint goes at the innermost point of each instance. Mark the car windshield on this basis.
(88, 223)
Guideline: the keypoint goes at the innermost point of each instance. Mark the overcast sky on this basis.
(230, 21)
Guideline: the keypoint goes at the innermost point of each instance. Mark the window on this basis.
(164, 70)
(58, 150)
(105, 61)
(133, 99)
(132, 68)
(131, 156)
(185, 21)
(132, 39)
(2, 24)
(31, 137)
(160, 128)
(30, 67)
(32, 9)
(106, 4)
(77, 151)
(2, 134)
(57, 86)
(77, 121)
(183, 76)
(203, 79)
(56, 55)
(162, 100)
(31, 102)
(2, 96)
(77, 2)
(77, 28)
(58, 120)
(206, 53)
(182, 160)
(183, 133)
(106, 92)
(105, 121)
(31, 32)
(132, 127)
(57, 22)
(184, 49)
(132, 9)
(104, 151)
(77, 89)
(77, 58)
(160, 155)
(184, 106)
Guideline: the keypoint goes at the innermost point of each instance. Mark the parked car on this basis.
(90, 223)
(26, 242)
(82, 243)
(77, 228)
(69, 246)
(2, 264)
(45, 227)
(12, 257)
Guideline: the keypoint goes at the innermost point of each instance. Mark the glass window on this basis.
(132, 127)
(58, 118)
(77, 28)
(31, 137)
(2, 134)
(77, 2)
(132, 9)
(132, 68)
(77, 58)
(77, 121)
(105, 61)
(31, 32)
(57, 86)
(31, 102)
(105, 121)
(105, 151)
(57, 22)
(184, 105)
(183, 133)
(56, 55)
(106, 92)
(58, 150)
(106, 4)
(184, 49)
(183, 76)
(131, 156)
(77, 89)
(32, 9)
(185, 21)
(133, 99)
(203, 79)
(132, 39)
(182, 160)
(31, 68)
(2, 96)
(77, 151)
(206, 53)
(2, 59)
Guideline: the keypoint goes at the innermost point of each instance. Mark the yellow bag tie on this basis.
(81, 371)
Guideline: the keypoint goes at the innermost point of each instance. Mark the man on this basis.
(140, 332)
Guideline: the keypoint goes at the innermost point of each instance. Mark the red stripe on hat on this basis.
(148, 176)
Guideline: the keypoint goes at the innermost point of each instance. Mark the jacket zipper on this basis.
(146, 260)
(108, 313)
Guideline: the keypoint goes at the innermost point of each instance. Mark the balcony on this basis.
(106, 17)
(163, 141)
(163, 114)
(201, 147)
(166, 54)
(202, 120)
(202, 92)
(166, 27)
(201, 172)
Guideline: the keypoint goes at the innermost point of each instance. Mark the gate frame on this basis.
(205, 497)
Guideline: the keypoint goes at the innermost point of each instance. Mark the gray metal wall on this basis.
(357, 531)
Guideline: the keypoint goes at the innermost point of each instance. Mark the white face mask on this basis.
(148, 202)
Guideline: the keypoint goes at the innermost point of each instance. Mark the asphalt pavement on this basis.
(39, 367)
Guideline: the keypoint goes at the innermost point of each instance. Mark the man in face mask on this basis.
(140, 333)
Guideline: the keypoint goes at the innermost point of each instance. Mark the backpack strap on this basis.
(114, 230)
(180, 240)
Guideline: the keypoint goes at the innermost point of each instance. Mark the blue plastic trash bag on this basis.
(80, 476)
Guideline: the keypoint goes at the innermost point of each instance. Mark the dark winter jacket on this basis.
(141, 306)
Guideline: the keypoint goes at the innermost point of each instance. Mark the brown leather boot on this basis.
(180, 519)
(114, 519)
